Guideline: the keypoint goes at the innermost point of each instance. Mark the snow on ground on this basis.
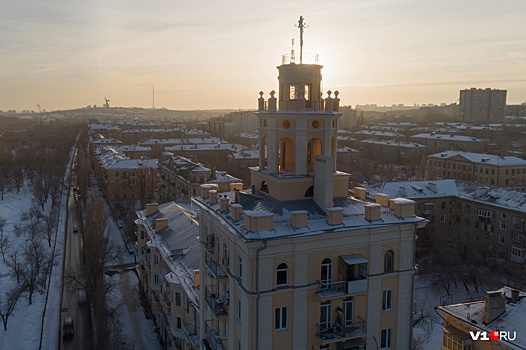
(29, 318)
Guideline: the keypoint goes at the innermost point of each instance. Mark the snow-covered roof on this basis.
(491, 196)
(482, 158)
(433, 136)
(103, 141)
(378, 133)
(511, 320)
(261, 203)
(178, 243)
(394, 143)
(134, 164)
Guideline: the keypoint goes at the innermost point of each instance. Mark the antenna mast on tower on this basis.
(153, 97)
(301, 25)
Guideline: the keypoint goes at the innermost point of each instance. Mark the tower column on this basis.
(301, 147)
(272, 148)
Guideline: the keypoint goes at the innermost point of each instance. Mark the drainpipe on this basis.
(256, 337)
(413, 283)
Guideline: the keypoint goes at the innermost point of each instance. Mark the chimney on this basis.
(204, 191)
(514, 295)
(299, 218)
(236, 186)
(494, 306)
(372, 211)
(237, 211)
(481, 191)
(213, 196)
(258, 221)
(359, 192)
(197, 278)
(334, 215)
(151, 208)
(402, 207)
(382, 199)
(223, 203)
(160, 224)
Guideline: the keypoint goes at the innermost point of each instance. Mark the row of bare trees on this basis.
(30, 265)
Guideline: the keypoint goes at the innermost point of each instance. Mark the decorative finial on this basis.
(261, 94)
(329, 93)
(301, 25)
(272, 93)
(336, 93)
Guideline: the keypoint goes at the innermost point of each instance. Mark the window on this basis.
(502, 224)
(177, 299)
(282, 275)
(450, 211)
(240, 267)
(156, 278)
(326, 272)
(238, 309)
(281, 318)
(156, 259)
(179, 322)
(442, 218)
(389, 261)
(348, 311)
(387, 300)
(501, 239)
(385, 342)
(443, 205)
(325, 315)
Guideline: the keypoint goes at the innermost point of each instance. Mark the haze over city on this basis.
(208, 54)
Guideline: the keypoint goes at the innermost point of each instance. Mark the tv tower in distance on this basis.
(153, 97)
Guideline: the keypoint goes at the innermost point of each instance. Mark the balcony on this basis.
(519, 227)
(217, 304)
(190, 330)
(339, 332)
(215, 268)
(342, 288)
(166, 304)
(212, 339)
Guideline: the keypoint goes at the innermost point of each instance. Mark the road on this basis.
(72, 265)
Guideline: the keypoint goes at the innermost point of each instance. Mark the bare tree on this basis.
(4, 245)
(3, 221)
(35, 267)
(8, 303)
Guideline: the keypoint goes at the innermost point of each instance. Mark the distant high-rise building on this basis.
(482, 105)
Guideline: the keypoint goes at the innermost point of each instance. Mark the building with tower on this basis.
(295, 262)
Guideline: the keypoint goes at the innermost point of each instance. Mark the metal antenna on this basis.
(301, 25)
(153, 97)
(292, 54)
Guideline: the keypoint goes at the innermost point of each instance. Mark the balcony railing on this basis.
(212, 339)
(190, 330)
(215, 268)
(217, 304)
(342, 288)
(338, 332)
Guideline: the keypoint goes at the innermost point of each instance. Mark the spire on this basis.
(301, 25)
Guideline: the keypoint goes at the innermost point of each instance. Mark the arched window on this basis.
(389, 261)
(326, 273)
(282, 275)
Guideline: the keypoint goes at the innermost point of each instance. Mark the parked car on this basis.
(82, 298)
(75, 228)
(68, 329)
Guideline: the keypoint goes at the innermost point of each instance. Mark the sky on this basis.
(213, 54)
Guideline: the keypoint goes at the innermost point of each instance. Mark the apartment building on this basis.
(168, 266)
(180, 179)
(122, 178)
(486, 169)
(494, 213)
(294, 263)
(441, 142)
(480, 106)
(497, 322)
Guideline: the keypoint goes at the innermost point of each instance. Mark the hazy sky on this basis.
(220, 54)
